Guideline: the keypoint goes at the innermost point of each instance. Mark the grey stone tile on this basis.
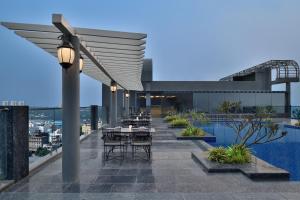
(128, 172)
(208, 196)
(115, 179)
(261, 196)
(145, 179)
(159, 196)
(291, 195)
(108, 171)
(123, 188)
(98, 188)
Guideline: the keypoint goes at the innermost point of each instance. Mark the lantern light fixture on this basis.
(113, 87)
(81, 64)
(127, 94)
(65, 53)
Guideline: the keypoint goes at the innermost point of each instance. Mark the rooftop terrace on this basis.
(172, 174)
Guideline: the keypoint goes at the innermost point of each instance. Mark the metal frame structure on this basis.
(286, 71)
(108, 55)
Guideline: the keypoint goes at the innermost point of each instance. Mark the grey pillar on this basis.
(71, 119)
(148, 102)
(288, 99)
(94, 117)
(127, 96)
(113, 109)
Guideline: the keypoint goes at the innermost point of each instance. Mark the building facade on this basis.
(252, 87)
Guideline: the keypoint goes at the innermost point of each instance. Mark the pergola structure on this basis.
(286, 71)
(111, 57)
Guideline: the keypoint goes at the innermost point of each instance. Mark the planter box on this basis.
(207, 138)
(256, 170)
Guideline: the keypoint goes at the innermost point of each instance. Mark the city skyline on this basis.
(231, 36)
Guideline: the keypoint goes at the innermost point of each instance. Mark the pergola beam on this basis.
(65, 28)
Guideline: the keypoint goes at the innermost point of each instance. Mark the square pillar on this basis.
(71, 118)
(113, 105)
(94, 117)
(127, 96)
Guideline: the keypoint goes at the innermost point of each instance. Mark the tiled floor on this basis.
(172, 174)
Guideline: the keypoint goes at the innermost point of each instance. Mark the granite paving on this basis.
(171, 174)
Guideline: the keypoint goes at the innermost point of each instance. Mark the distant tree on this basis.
(257, 128)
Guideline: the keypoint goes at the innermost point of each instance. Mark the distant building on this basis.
(37, 140)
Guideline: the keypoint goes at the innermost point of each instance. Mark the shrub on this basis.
(200, 117)
(193, 131)
(41, 151)
(170, 118)
(180, 122)
(235, 154)
(296, 115)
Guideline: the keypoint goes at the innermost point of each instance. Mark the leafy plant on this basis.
(296, 115)
(193, 131)
(180, 122)
(251, 129)
(200, 117)
(230, 107)
(41, 151)
(235, 154)
(170, 118)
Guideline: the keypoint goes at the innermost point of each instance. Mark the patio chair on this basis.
(141, 139)
(114, 140)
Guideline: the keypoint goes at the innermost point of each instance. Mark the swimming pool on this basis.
(283, 153)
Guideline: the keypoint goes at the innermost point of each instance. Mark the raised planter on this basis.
(292, 126)
(207, 138)
(256, 170)
(177, 127)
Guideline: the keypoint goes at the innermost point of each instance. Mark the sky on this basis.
(187, 40)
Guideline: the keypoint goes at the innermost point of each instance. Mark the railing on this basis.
(226, 117)
(45, 128)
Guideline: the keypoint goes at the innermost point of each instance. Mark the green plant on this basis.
(170, 118)
(252, 129)
(217, 154)
(235, 154)
(180, 122)
(200, 117)
(41, 151)
(296, 115)
(192, 131)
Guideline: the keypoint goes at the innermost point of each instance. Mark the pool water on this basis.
(283, 153)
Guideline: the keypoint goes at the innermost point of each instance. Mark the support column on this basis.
(288, 99)
(113, 105)
(127, 96)
(148, 102)
(71, 119)
(94, 117)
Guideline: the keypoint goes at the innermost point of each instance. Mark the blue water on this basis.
(283, 153)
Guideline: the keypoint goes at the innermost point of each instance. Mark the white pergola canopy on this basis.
(108, 55)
